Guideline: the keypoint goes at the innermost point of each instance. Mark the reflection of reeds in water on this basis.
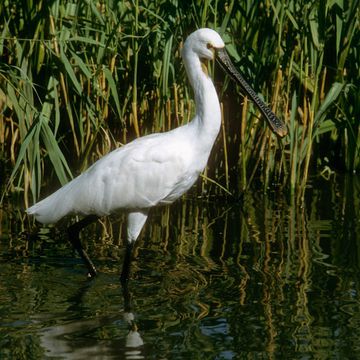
(267, 266)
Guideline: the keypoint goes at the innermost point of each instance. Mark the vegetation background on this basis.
(80, 78)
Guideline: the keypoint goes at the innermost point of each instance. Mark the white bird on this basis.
(152, 170)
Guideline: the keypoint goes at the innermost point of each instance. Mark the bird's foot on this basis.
(91, 274)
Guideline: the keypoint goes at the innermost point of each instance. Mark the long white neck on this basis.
(207, 120)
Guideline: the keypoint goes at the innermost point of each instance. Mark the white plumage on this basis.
(152, 170)
(149, 171)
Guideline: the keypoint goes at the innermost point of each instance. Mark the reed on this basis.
(79, 79)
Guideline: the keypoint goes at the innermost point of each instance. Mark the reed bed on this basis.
(80, 79)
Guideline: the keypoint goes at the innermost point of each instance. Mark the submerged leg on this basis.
(73, 233)
(125, 273)
(135, 223)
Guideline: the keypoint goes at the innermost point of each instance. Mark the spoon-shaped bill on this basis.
(277, 126)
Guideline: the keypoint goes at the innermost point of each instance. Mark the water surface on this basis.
(258, 279)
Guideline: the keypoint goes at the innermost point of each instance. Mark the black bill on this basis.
(277, 126)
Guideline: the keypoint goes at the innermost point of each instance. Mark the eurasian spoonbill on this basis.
(155, 169)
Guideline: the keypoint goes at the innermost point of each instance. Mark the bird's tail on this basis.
(53, 207)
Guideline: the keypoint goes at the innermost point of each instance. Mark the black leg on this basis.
(73, 233)
(125, 273)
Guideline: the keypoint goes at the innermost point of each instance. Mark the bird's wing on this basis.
(147, 172)
(152, 170)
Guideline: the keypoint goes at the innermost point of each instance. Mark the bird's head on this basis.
(203, 43)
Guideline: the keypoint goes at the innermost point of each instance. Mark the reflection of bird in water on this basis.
(103, 335)
(133, 340)
(155, 169)
(71, 340)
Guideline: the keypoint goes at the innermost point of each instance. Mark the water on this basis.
(260, 279)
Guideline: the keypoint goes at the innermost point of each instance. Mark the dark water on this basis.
(261, 279)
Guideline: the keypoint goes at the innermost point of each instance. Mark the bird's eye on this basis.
(209, 46)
